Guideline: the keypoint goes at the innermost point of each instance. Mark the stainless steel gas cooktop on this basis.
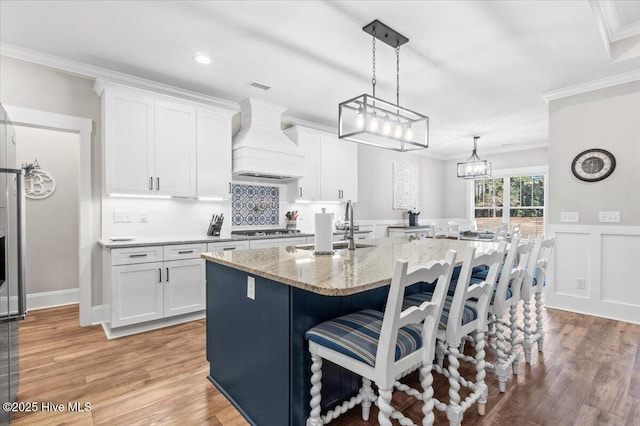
(265, 232)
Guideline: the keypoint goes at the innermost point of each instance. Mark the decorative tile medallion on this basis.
(253, 205)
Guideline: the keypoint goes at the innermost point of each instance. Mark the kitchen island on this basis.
(261, 302)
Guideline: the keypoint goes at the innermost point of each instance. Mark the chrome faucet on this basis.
(348, 234)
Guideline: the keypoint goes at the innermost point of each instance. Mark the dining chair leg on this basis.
(426, 380)
(440, 351)
(454, 410)
(480, 372)
(513, 325)
(367, 394)
(384, 407)
(539, 328)
(314, 418)
(526, 342)
(501, 364)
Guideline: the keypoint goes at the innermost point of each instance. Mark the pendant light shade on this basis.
(373, 121)
(474, 167)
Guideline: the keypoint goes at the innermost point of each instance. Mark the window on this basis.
(514, 200)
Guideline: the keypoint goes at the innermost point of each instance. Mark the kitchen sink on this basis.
(336, 246)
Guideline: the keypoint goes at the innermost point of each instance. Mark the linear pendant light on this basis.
(369, 120)
(474, 167)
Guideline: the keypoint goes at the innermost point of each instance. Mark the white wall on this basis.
(37, 87)
(375, 184)
(51, 223)
(605, 255)
(455, 202)
(608, 119)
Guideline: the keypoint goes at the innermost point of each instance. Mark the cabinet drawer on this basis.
(232, 245)
(133, 255)
(184, 251)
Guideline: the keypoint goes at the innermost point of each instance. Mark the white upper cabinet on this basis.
(175, 150)
(159, 145)
(338, 169)
(128, 143)
(214, 155)
(308, 187)
(331, 167)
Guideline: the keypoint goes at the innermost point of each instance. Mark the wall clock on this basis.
(593, 165)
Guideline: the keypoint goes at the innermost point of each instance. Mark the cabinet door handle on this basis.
(151, 182)
(138, 255)
(228, 248)
(159, 275)
(185, 251)
(300, 191)
(229, 187)
(167, 274)
(158, 184)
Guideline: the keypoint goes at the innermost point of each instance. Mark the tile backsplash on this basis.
(255, 205)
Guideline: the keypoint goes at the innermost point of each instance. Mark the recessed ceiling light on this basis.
(201, 58)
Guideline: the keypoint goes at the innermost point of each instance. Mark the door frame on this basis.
(83, 127)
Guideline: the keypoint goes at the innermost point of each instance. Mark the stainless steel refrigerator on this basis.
(12, 258)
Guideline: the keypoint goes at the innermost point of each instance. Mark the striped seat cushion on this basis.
(417, 299)
(478, 280)
(356, 335)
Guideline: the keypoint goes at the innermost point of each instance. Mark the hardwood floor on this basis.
(589, 375)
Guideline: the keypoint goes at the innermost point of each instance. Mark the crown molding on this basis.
(590, 86)
(98, 73)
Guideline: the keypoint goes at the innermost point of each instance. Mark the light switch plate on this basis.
(610, 216)
(569, 217)
(251, 288)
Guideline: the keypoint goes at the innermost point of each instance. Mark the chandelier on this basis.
(372, 121)
(474, 167)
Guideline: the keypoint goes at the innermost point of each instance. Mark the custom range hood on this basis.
(260, 149)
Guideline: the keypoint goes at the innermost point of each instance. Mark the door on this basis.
(347, 170)
(214, 155)
(329, 185)
(184, 287)
(129, 139)
(175, 150)
(137, 292)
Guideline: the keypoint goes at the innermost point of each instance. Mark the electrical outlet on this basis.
(121, 217)
(611, 216)
(569, 216)
(251, 288)
(580, 283)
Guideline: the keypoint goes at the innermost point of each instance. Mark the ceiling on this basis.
(474, 67)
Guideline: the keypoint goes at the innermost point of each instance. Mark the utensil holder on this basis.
(413, 219)
(292, 225)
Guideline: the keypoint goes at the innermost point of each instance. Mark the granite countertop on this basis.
(198, 239)
(345, 272)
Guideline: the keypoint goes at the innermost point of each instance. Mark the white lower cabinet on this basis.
(155, 282)
(137, 293)
(184, 289)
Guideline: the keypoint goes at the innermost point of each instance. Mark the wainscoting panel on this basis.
(620, 266)
(608, 258)
(573, 267)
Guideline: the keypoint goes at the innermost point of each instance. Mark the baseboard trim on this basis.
(114, 333)
(98, 314)
(51, 299)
